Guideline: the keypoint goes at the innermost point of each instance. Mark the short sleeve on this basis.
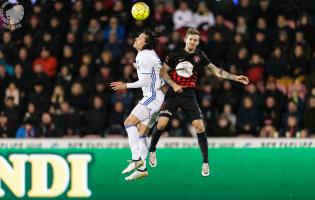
(147, 63)
(204, 60)
(170, 60)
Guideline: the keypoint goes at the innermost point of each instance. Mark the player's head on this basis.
(148, 39)
(192, 39)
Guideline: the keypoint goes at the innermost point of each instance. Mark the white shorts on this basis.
(147, 110)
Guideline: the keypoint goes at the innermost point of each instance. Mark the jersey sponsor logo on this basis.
(165, 112)
(196, 59)
(184, 69)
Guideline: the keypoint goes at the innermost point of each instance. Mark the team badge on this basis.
(196, 59)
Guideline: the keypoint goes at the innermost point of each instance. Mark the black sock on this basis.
(203, 144)
(156, 134)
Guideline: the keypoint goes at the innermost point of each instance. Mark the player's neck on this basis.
(189, 51)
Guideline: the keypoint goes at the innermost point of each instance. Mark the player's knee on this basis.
(199, 126)
(128, 122)
(161, 125)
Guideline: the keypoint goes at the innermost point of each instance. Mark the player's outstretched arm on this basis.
(143, 82)
(226, 75)
(168, 80)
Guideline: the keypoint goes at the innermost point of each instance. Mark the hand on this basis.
(177, 88)
(242, 79)
(118, 85)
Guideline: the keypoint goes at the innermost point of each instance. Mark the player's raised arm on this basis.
(143, 82)
(226, 75)
(164, 74)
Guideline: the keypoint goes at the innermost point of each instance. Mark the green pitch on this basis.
(236, 174)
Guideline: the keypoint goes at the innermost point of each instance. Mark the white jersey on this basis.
(147, 110)
(148, 63)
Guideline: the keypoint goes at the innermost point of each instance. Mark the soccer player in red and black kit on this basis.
(180, 71)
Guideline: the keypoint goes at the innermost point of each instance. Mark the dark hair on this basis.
(152, 39)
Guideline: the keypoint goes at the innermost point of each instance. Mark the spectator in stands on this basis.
(222, 127)
(228, 113)
(292, 110)
(176, 128)
(217, 48)
(94, 29)
(252, 91)
(271, 115)
(67, 121)
(268, 131)
(228, 95)
(291, 127)
(27, 130)
(96, 117)
(85, 79)
(114, 45)
(8, 68)
(64, 78)
(48, 62)
(248, 118)
(100, 12)
(58, 97)
(13, 115)
(24, 60)
(3, 126)
(114, 27)
(39, 97)
(47, 127)
(309, 119)
(299, 62)
(115, 121)
(174, 43)
(32, 114)
(119, 11)
(277, 65)
(260, 45)
(203, 18)
(77, 98)
(236, 45)
(209, 112)
(183, 16)
(272, 90)
(242, 28)
(13, 92)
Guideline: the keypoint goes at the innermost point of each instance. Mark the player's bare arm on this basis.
(168, 80)
(226, 75)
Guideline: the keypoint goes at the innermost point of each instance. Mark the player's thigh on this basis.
(131, 120)
(138, 114)
(191, 108)
(168, 108)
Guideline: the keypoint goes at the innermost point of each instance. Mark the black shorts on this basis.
(185, 100)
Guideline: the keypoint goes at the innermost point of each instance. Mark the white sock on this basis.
(133, 138)
(143, 148)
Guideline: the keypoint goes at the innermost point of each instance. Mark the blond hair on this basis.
(192, 31)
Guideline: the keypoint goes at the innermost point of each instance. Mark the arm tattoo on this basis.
(220, 72)
(165, 76)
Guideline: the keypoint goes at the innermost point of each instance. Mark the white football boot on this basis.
(134, 164)
(152, 159)
(138, 174)
(205, 171)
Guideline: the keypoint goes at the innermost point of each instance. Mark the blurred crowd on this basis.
(56, 69)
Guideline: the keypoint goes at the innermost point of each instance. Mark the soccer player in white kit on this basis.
(145, 114)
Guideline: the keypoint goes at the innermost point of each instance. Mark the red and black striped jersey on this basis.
(185, 66)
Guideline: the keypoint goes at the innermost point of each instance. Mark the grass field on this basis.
(236, 174)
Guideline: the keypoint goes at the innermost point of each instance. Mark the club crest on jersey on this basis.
(196, 59)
